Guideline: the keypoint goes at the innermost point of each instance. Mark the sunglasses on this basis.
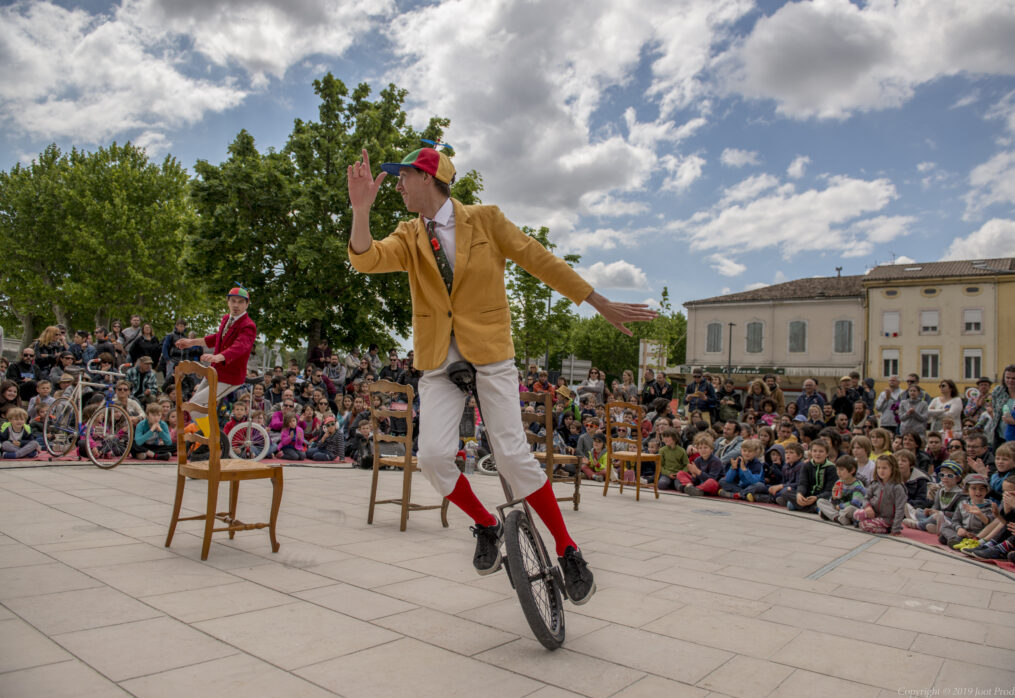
(955, 447)
(121, 390)
(28, 355)
(951, 475)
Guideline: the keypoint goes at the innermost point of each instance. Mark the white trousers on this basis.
(441, 404)
(200, 396)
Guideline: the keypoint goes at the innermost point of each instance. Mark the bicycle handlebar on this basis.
(117, 374)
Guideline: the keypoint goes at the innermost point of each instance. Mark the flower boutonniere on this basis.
(435, 243)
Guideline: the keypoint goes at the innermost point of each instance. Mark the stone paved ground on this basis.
(695, 598)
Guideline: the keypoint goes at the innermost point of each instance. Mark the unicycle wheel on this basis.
(537, 588)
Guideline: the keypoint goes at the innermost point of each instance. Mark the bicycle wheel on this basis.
(248, 441)
(109, 436)
(60, 430)
(487, 465)
(533, 580)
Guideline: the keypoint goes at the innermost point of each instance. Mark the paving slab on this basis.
(696, 598)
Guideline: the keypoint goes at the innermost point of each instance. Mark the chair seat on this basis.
(558, 458)
(231, 469)
(631, 455)
(397, 461)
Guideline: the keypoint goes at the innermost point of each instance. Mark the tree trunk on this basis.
(313, 336)
(102, 318)
(61, 316)
(27, 331)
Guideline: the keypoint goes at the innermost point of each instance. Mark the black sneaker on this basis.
(692, 491)
(1011, 556)
(488, 538)
(578, 579)
(992, 552)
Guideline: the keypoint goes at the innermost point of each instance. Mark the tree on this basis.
(279, 222)
(597, 340)
(98, 234)
(538, 325)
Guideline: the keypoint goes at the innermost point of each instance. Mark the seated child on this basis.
(38, 424)
(847, 493)
(946, 499)
(44, 397)
(151, 436)
(673, 462)
(706, 469)
(998, 539)
(969, 518)
(239, 415)
(786, 490)
(330, 446)
(593, 465)
(915, 480)
(16, 436)
(361, 446)
(1004, 461)
(775, 458)
(861, 449)
(817, 477)
(743, 471)
(885, 504)
(292, 445)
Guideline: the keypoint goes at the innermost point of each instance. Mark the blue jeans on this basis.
(289, 453)
(314, 453)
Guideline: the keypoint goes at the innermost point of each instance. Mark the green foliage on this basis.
(96, 236)
(538, 323)
(279, 222)
(611, 351)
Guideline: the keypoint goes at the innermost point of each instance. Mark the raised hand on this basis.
(363, 186)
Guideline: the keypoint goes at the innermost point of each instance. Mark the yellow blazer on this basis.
(477, 309)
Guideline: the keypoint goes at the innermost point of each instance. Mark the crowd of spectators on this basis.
(881, 461)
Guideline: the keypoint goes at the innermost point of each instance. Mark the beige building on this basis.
(941, 320)
(807, 328)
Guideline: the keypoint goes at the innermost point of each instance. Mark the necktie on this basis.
(439, 255)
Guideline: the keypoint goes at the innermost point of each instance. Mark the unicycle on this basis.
(534, 575)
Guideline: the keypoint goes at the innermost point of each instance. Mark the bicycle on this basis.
(109, 432)
(535, 577)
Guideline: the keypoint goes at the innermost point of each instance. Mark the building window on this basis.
(755, 338)
(930, 361)
(972, 290)
(889, 362)
(972, 363)
(891, 293)
(843, 337)
(929, 320)
(713, 338)
(972, 321)
(798, 337)
(890, 323)
(930, 291)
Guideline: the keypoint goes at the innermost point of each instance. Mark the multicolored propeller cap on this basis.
(427, 160)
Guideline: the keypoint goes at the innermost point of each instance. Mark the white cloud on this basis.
(830, 58)
(734, 157)
(798, 167)
(993, 182)
(134, 70)
(903, 259)
(779, 278)
(794, 222)
(925, 166)
(749, 188)
(725, 266)
(755, 286)
(1004, 110)
(996, 238)
(615, 275)
(966, 100)
(607, 205)
(683, 172)
(582, 241)
(881, 229)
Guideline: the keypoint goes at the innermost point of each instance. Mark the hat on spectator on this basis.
(426, 160)
(66, 378)
(983, 379)
(952, 466)
(845, 378)
(974, 479)
(800, 418)
(147, 360)
(329, 420)
(565, 392)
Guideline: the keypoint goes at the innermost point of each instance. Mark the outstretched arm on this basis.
(617, 314)
(362, 193)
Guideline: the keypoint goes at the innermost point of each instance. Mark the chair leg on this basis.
(234, 494)
(655, 482)
(181, 481)
(609, 470)
(406, 495)
(444, 512)
(373, 491)
(577, 487)
(209, 517)
(637, 481)
(276, 503)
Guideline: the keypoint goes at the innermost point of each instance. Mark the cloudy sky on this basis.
(705, 146)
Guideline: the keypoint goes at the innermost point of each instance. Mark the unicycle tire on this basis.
(537, 588)
(486, 465)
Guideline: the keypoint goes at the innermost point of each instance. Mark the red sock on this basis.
(465, 499)
(545, 504)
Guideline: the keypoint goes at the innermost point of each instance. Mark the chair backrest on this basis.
(212, 441)
(392, 409)
(545, 420)
(612, 422)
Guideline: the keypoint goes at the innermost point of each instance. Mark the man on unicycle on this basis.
(455, 257)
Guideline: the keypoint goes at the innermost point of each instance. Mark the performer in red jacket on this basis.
(232, 344)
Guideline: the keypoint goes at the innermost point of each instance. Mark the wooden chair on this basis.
(627, 449)
(406, 462)
(550, 459)
(216, 469)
